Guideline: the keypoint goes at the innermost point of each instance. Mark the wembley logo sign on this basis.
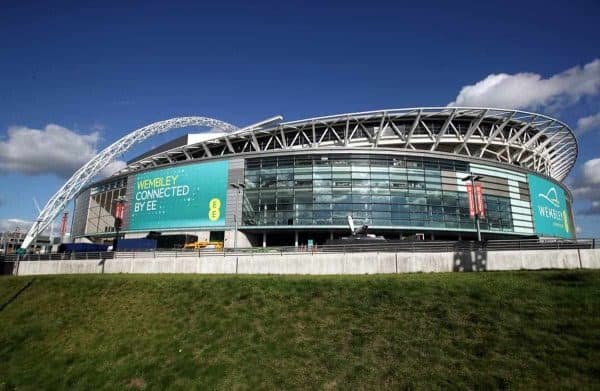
(555, 212)
(551, 212)
(549, 208)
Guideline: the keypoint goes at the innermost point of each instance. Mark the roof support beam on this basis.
(380, 130)
(206, 150)
(443, 129)
(474, 125)
(414, 126)
(229, 146)
(255, 143)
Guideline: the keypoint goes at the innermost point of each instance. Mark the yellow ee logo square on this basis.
(214, 211)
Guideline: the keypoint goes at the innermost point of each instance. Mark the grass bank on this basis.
(419, 331)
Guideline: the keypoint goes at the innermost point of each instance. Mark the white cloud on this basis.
(113, 167)
(590, 172)
(51, 150)
(586, 124)
(530, 90)
(586, 186)
(14, 224)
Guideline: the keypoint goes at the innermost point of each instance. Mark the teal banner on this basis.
(549, 208)
(180, 197)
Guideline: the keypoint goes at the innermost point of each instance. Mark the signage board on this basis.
(119, 210)
(471, 200)
(549, 208)
(479, 200)
(180, 197)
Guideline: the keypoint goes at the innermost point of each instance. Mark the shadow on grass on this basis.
(14, 297)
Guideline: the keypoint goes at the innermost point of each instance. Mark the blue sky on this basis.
(103, 71)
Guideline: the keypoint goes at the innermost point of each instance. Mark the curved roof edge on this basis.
(536, 141)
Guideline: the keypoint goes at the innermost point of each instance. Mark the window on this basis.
(385, 190)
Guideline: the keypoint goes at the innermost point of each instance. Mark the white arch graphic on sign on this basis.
(89, 170)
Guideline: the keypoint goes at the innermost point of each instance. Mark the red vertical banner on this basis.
(471, 198)
(119, 210)
(63, 223)
(479, 200)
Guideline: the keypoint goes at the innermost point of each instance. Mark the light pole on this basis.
(238, 186)
(473, 179)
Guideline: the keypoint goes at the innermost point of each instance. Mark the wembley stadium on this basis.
(405, 173)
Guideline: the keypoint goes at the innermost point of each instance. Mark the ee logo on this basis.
(214, 211)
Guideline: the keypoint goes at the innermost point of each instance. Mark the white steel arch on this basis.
(88, 171)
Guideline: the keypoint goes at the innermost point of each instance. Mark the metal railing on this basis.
(395, 246)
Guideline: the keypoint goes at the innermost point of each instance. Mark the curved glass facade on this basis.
(391, 193)
(378, 190)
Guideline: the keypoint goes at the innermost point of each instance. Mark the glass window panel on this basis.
(322, 206)
(288, 207)
(413, 163)
(302, 176)
(303, 183)
(321, 183)
(341, 183)
(341, 198)
(356, 198)
(338, 170)
(416, 200)
(380, 190)
(380, 207)
(376, 163)
(285, 176)
(360, 169)
(321, 190)
(360, 175)
(415, 185)
(340, 175)
(380, 199)
(380, 183)
(268, 181)
(284, 199)
(380, 176)
(322, 175)
(361, 183)
(359, 216)
(381, 215)
(323, 198)
(342, 207)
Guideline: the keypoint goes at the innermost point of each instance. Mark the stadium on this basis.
(405, 173)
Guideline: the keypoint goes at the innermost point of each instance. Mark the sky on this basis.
(74, 78)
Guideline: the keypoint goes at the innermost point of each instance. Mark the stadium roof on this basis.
(529, 140)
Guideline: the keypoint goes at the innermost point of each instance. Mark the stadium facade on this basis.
(402, 172)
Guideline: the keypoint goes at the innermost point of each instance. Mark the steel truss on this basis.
(86, 173)
(529, 140)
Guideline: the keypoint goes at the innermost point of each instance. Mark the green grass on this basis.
(517, 330)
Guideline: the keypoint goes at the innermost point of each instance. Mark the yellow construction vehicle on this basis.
(200, 244)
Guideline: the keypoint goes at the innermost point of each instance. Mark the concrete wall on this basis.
(590, 259)
(242, 239)
(324, 263)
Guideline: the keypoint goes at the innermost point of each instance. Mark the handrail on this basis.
(396, 246)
